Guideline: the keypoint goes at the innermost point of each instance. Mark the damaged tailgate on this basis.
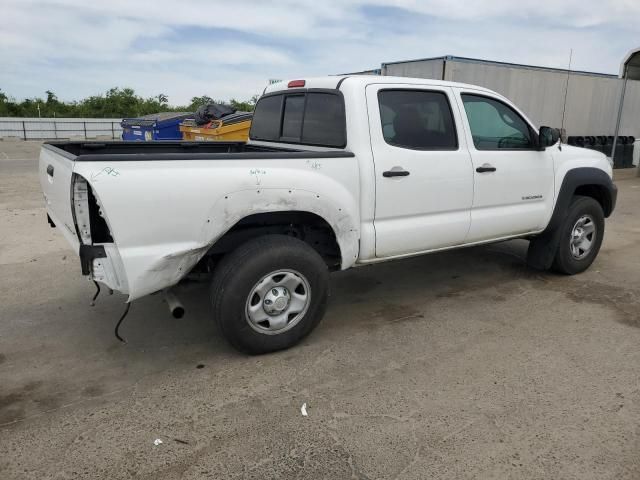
(55, 172)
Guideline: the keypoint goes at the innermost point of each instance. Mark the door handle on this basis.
(395, 172)
(486, 168)
(50, 170)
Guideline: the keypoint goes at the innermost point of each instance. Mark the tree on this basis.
(246, 106)
(4, 108)
(198, 102)
(51, 97)
(114, 103)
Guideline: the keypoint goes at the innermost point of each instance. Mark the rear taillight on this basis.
(296, 84)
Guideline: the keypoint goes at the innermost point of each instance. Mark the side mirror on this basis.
(548, 136)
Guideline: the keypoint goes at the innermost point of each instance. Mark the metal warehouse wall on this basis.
(418, 69)
(592, 101)
(375, 71)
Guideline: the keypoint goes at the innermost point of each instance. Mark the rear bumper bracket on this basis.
(87, 254)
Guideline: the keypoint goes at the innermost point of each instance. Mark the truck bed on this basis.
(167, 150)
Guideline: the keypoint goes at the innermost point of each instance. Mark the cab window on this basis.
(417, 119)
(496, 126)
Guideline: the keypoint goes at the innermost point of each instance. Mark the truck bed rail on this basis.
(163, 150)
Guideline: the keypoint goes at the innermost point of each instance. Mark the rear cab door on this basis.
(423, 170)
(513, 179)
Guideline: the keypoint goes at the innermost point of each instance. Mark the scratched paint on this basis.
(108, 171)
(315, 164)
(258, 173)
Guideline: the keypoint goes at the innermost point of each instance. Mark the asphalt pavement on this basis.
(463, 364)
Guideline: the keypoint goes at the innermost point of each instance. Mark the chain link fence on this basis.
(60, 128)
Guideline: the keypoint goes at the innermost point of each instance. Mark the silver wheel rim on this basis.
(583, 236)
(278, 302)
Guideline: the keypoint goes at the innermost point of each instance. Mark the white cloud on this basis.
(575, 13)
(230, 49)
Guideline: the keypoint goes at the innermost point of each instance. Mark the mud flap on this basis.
(542, 250)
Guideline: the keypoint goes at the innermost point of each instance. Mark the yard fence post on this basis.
(24, 131)
(84, 124)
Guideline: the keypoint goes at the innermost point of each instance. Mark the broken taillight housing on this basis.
(81, 218)
(91, 226)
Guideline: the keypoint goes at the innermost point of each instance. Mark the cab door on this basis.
(513, 179)
(423, 170)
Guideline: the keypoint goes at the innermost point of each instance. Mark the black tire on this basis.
(240, 271)
(565, 261)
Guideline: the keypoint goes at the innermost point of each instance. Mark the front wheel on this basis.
(581, 236)
(269, 293)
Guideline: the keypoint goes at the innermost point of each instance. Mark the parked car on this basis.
(338, 172)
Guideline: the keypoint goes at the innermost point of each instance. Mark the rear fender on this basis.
(234, 206)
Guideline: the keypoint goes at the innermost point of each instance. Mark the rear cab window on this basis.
(312, 117)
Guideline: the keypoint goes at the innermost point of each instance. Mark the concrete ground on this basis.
(457, 365)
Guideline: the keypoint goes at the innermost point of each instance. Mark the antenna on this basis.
(566, 91)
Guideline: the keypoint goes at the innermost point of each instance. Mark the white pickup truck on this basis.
(338, 172)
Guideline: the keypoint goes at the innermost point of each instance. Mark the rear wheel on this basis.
(580, 236)
(269, 293)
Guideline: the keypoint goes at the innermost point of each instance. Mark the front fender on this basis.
(543, 247)
(578, 177)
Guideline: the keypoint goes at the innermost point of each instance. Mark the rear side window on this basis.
(417, 119)
(266, 118)
(324, 122)
(309, 118)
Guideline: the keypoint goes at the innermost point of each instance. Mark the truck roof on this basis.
(335, 81)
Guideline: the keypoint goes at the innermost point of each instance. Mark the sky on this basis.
(231, 49)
